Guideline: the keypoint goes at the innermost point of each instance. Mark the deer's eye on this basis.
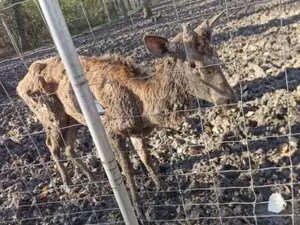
(192, 65)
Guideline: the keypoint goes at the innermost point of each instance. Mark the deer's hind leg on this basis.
(50, 112)
(54, 142)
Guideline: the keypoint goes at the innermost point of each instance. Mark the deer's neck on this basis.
(169, 77)
(167, 91)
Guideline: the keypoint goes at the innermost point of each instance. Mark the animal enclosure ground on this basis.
(218, 164)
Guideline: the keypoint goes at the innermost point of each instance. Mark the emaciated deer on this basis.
(188, 68)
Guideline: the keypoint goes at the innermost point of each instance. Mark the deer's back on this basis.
(108, 81)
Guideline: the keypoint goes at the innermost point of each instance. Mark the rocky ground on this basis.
(218, 164)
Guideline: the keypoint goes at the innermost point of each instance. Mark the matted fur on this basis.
(135, 101)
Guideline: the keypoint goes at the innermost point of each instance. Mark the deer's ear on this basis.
(158, 46)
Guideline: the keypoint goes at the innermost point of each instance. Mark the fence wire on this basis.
(219, 167)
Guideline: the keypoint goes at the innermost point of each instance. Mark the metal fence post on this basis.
(105, 8)
(87, 20)
(65, 46)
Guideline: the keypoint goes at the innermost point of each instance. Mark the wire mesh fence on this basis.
(219, 166)
(30, 29)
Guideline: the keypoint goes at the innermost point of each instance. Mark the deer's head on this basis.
(200, 62)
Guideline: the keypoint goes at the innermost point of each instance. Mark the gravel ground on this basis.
(217, 163)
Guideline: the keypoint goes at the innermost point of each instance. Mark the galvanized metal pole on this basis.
(65, 46)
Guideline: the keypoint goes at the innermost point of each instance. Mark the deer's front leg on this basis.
(140, 147)
(118, 144)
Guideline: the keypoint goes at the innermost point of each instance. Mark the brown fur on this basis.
(133, 105)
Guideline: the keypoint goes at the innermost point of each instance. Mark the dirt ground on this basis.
(220, 166)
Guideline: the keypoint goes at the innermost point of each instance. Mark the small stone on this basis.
(282, 130)
(177, 136)
(215, 130)
(293, 103)
(257, 69)
(185, 124)
(171, 137)
(253, 48)
(180, 150)
(293, 142)
(259, 151)
(226, 122)
(285, 151)
(297, 64)
(284, 148)
(249, 114)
